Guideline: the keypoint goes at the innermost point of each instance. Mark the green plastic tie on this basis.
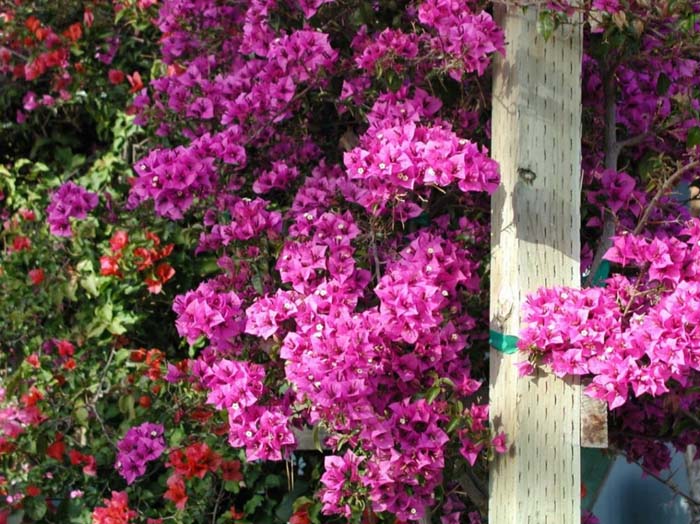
(601, 274)
(507, 344)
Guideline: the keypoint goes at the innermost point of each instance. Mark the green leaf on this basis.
(693, 137)
(126, 406)
(81, 415)
(105, 312)
(16, 518)
(257, 284)
(36, 507)
(301, 501)
(70, 287)
(316, 436)
(547, 23)
(121, 356)
(663, 84)
(253, 503)
(89, 284)
(289, 502)
(176, 437)
(432, 394)
(393, 80)
(454, 424)
(232, 486)
(272, 481)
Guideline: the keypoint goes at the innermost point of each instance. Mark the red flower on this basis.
(154, 359)
(135, 82)
(27, 214)
(153, 238)
(69, 364)
(145, 401)
(88, 17)
(33, 360)
(162, 253)
(65, 348)
(109, 266)
(74, 32)
(33, 491)
(235, 514)
(32, 23)
(88, 462)
(117, 510)
(120, 238)
(5, 447)
(75, 457)
(36, 276)
(30, 399)
(137, 355)
(201, 415)
(231, 470)
(194, 461)
(163, 273)
(300, 516)
(176, 491)
(57, 449)
(21, 243)
(146, 257)
(89, 465)
(174, 70)
(116, 76)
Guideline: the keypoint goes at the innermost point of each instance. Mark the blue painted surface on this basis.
(629, 498)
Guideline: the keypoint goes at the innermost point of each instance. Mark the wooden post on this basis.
(536, 129)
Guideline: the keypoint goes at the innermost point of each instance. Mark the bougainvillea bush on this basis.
(230, 225)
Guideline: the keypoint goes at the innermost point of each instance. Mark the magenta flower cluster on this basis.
(637, 334)
(402, 158)
(249, 219)
(141, 444)
(69, 201)
(356, 312)
(209, 311)
(468, 38)
(174, 178)
(262, 430)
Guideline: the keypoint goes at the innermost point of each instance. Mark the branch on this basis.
(691, 416)
(215, 512)
(670, 181)
(475, 490)
(631, 141)
(612, 152)
(668, 482)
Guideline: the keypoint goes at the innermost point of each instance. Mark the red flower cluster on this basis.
(116, 511)
(145, 258)
(109, 264)
(57, 450)
(87, 461)
(194, 461)
(176, 492)
(36, 276)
